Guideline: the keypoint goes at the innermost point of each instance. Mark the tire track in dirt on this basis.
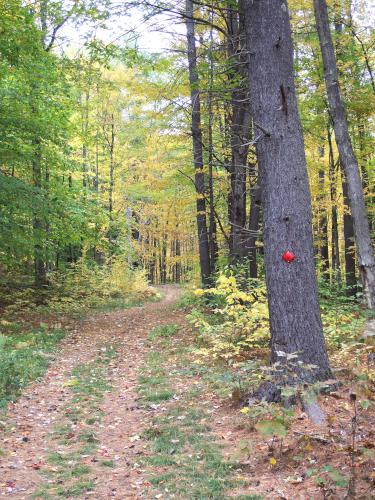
(26, 442)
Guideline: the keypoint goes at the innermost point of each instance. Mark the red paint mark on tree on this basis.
(288, 256)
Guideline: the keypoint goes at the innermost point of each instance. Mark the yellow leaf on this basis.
(273, 461)
(71, 383)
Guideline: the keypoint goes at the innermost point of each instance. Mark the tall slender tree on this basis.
(366, 259)
(212, 222)
(295, 321)
(240, 120)
(254, 220)
(204, 251)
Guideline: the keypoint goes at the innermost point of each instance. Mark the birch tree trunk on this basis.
(204, 252)
(295, 321)
(366, 259)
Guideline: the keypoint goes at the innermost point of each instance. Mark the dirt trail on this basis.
(27, 441)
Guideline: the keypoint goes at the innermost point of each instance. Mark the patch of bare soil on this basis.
(26, 440)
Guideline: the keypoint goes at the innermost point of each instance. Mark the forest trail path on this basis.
(68, 426)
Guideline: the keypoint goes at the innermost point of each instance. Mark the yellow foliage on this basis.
(243, 320)
(245, 410)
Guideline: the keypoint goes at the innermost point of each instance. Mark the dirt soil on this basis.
(31, 420)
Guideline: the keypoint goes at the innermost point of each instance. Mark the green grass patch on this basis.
(180, 443)
(154, 385)
(108, 463)
(249, 497)
(157, 397)
(75, 490)
(163, 331)
(71, 477)
(24, 357)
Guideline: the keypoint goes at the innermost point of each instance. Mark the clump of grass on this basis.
(108, 463)
(180, 441)
(154, 385)
(163, 331)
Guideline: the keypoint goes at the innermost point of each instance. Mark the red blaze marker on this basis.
(288, 257)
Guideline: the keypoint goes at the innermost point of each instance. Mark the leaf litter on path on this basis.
(27, 436)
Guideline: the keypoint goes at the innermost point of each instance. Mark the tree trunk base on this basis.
(271, 392)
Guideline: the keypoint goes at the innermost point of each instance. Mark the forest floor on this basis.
(123, 412)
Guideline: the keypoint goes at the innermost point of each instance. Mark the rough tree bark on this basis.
(212, 223)
(239, 131)
(254, 222)
(323, 223)
(335, 247)
(366, 259)
(204, 251)
(295, 321)
(350, 266)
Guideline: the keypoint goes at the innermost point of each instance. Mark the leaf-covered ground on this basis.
(74, 433)
(125, 412)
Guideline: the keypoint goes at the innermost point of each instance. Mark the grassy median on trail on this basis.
(180, 441)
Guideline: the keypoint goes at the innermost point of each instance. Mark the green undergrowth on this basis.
(231, 326)
(68, 472)
(163, 331)
(183, 459)
(79, 289)
(25, 354)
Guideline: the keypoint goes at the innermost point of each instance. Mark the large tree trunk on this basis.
(204, 251)
(292, 290)
(365, 251)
